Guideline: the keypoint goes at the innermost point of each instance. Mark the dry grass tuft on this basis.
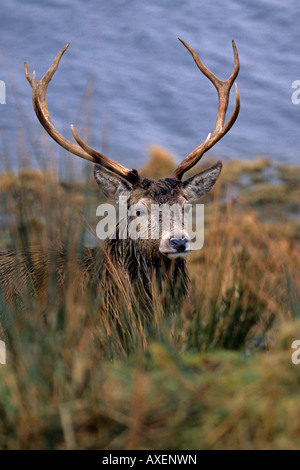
(159, 165)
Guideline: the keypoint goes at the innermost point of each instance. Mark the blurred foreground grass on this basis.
(214, 373)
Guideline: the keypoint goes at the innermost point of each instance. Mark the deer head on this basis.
(116, 180)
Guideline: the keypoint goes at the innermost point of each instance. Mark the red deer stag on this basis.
(144, 260)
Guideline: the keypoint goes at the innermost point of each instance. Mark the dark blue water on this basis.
(146, 87)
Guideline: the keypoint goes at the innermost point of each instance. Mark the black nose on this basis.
(178, 244)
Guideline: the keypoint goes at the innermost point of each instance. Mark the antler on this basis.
(223, 89)
(39, 89)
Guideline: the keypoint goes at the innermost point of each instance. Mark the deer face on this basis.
(157, 207)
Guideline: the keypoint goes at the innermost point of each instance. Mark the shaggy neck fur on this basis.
(147, 271)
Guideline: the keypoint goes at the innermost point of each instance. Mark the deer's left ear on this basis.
(197, 186)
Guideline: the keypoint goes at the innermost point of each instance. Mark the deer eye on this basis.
(138, 210)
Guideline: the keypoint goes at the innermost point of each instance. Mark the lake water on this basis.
(146, 87)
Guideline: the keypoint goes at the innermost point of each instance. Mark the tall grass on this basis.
(71, 379)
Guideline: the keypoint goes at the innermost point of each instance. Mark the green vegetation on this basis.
(213, 373)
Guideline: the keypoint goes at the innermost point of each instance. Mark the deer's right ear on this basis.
(111, 185)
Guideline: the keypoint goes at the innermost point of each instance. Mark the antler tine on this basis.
(39, 89)
(131, 175)
(223, 89)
